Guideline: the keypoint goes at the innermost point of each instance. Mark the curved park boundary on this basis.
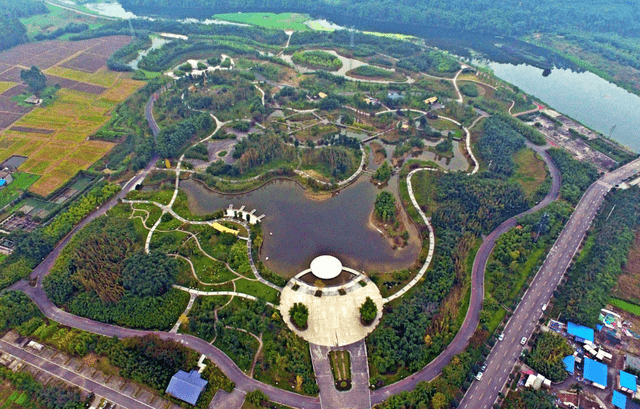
(243, 382)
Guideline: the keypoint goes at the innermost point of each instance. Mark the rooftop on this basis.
(595, 372)
(570, 363)
(628, 381)
(580, 331)
(326, 267)
(619, 400)
(186, 386)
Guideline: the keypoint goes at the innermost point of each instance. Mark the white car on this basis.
(523, 341)
(501, 337)
(479, 376)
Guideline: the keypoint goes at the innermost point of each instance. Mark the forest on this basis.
(500, 17)
(32, 248)
(103, 275)
(593, 276)
(577, 176)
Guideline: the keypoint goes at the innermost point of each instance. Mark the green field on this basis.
(626, 306)
(12, 399)
(21, 182)
(284, 21)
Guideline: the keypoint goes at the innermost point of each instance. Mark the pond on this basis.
(297, 228)
(594, 101)
(156, 42)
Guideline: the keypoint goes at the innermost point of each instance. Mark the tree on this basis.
(383, 173)
(149, 274)
(439, 400)
(385, 207)
(299, 314)
(256, 397)
(35, 79)
(368, 311)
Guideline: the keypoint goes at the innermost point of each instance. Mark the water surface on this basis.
(303, 228)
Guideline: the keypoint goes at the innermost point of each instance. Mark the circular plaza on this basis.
(333, 295)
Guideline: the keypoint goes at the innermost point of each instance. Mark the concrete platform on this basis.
(333, 320)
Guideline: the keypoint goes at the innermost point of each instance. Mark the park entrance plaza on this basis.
(333, 294)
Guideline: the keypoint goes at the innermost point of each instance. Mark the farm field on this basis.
(55, 138)
(283, 21)
(21, 182)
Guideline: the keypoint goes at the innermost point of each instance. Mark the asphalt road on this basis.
(74, 378)
(482, 394)
(38, 295)
(460, 341)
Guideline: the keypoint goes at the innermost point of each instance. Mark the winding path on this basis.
(243, 382)
(472, 318)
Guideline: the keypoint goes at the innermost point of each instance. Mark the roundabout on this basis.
(334, 316)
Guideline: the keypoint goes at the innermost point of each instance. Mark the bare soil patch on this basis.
(17, 90)
(6, 119)
(87, 62)
(9, 106)
(629, 280)
(32, 130)
(379, 154)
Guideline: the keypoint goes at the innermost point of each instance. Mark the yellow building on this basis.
(431, 100)
(322, 95)
(224, 229)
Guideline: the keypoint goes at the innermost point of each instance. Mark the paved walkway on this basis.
(359, 396)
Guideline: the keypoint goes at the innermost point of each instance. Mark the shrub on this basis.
(368, 311)
(299, 314)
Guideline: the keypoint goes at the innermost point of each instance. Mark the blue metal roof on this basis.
(570, 363)
(619, 400)
(595, 372)
(580, 331)
(186, 386)
(628, 381)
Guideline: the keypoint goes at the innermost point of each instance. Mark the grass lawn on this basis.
(530, 171)
(10, 398)
(340, 365)
(21, 182)
(257, 289)
(283, 21)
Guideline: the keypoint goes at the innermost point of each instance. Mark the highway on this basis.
(482, 394)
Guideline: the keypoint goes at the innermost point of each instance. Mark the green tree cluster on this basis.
(577, 175)
(317, 59)
(383, 173)
(499, 142)
(368, 311)
(385, 207)
(547, 354)
(35, 79)
(299, 314)
(593, 276)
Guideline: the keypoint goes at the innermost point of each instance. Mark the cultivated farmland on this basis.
(55, 138)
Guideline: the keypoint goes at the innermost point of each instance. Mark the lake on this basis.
(597, 103)
(304, 228)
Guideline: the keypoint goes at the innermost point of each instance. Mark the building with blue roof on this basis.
(628, 382)
(595, 372)
(581, 333)
(570, 364)
(619, 400)
(186, 386)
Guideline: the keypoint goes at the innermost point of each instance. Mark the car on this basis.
(544, 307)
(501, 337)
(523, 341)
(483, 368)
(479, 376)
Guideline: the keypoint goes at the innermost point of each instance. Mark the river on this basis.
(297, 228)
(584, 96)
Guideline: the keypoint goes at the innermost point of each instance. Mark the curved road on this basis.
(482, 394)
(459, 343)
(243, 382)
